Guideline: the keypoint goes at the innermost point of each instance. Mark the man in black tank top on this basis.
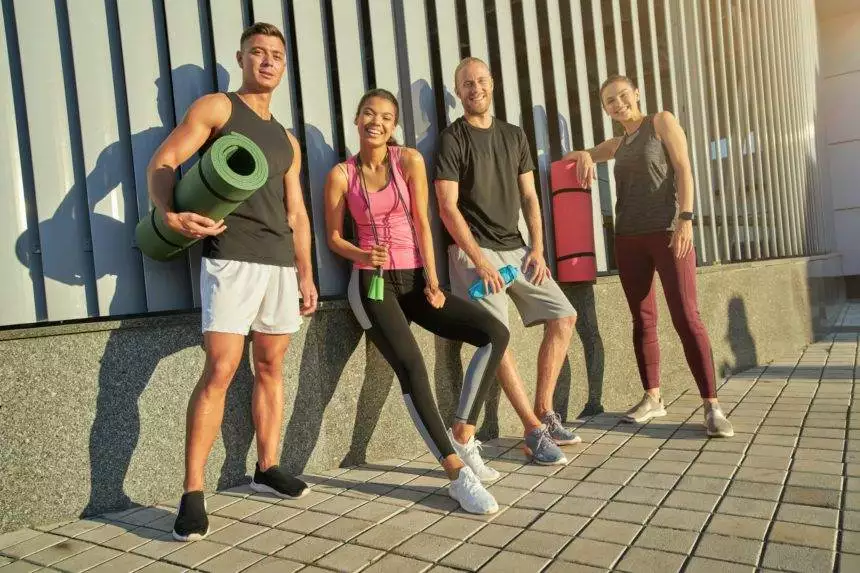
(255, 265)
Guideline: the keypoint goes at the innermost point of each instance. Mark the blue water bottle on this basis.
(508, 272)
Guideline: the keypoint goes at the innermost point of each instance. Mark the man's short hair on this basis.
(261, 29)
(465, 62)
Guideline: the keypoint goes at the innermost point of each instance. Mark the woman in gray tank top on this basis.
(654, 232)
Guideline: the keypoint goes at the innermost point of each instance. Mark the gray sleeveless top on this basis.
(645, 184)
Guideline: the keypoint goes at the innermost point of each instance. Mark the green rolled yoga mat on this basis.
(231, 170)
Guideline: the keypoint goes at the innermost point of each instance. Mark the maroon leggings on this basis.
(637, 257)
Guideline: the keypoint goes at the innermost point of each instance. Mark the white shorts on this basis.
(238, 297)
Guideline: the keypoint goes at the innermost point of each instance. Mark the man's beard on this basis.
(478, 108)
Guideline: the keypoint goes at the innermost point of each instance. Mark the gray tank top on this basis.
(645, 184)
(257, 231)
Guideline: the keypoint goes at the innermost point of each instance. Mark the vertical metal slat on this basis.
(449, 57)
(319, 129)
(539, 115)
(352, 75)
(637, 51)
(730, 141)
(715, 136)
(700, 118)
(109, 183)
(655, 55)
(60, 199)
(600, 49)
(17, 241)
(587, 128)
(739, 134)
(748, 174)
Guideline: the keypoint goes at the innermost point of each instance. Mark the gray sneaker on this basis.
(646, 409)
(560, 435)
(716, 422)
(542, 449)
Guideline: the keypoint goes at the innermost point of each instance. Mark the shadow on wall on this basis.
(328, 347)
(740, 339)
(581, 296)
(127, 367)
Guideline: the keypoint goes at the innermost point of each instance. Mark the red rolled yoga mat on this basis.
(574, 228)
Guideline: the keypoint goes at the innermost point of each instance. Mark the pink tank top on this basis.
(392, 223)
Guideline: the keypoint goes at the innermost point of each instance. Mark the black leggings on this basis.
(387, 325)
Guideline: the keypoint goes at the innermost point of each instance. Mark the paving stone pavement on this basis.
(782, 494)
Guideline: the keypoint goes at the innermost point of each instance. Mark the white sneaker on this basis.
(468, 490)
(470, 453)
(717, 424)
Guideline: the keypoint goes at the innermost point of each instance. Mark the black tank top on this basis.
(257, 232)
(645, 184)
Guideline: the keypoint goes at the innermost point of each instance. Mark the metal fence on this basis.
(91, 88)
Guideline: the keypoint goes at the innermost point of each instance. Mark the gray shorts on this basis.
(536, 304)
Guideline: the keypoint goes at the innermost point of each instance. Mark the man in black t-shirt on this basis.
(483, 178)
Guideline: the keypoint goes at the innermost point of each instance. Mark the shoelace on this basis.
(554, 420)
(543, 437)
(475, 450)
(473, 484)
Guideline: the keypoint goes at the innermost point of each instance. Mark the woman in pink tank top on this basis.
(384, 187)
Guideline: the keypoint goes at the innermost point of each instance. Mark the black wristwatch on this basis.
(687, 216)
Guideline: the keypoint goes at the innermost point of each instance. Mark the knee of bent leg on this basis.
(564, 325)
(499, 335)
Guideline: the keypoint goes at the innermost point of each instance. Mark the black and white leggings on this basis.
(387, 325)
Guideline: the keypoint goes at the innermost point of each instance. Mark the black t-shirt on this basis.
(257, 231)
(487, 163)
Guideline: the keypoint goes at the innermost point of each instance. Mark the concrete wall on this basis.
(839, 109)
(92, 415)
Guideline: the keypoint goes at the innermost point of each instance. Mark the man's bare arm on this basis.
(203, 119)
(447, 193)
(297, 218)
(531, 209)
(535, 263)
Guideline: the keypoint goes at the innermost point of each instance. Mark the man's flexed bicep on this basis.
(204, 118)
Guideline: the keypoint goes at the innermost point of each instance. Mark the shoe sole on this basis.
(645, 418)
(190, 537)
(720, 434)
(562, 461)
(576, 440)
(263, 488)
(491, 512)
